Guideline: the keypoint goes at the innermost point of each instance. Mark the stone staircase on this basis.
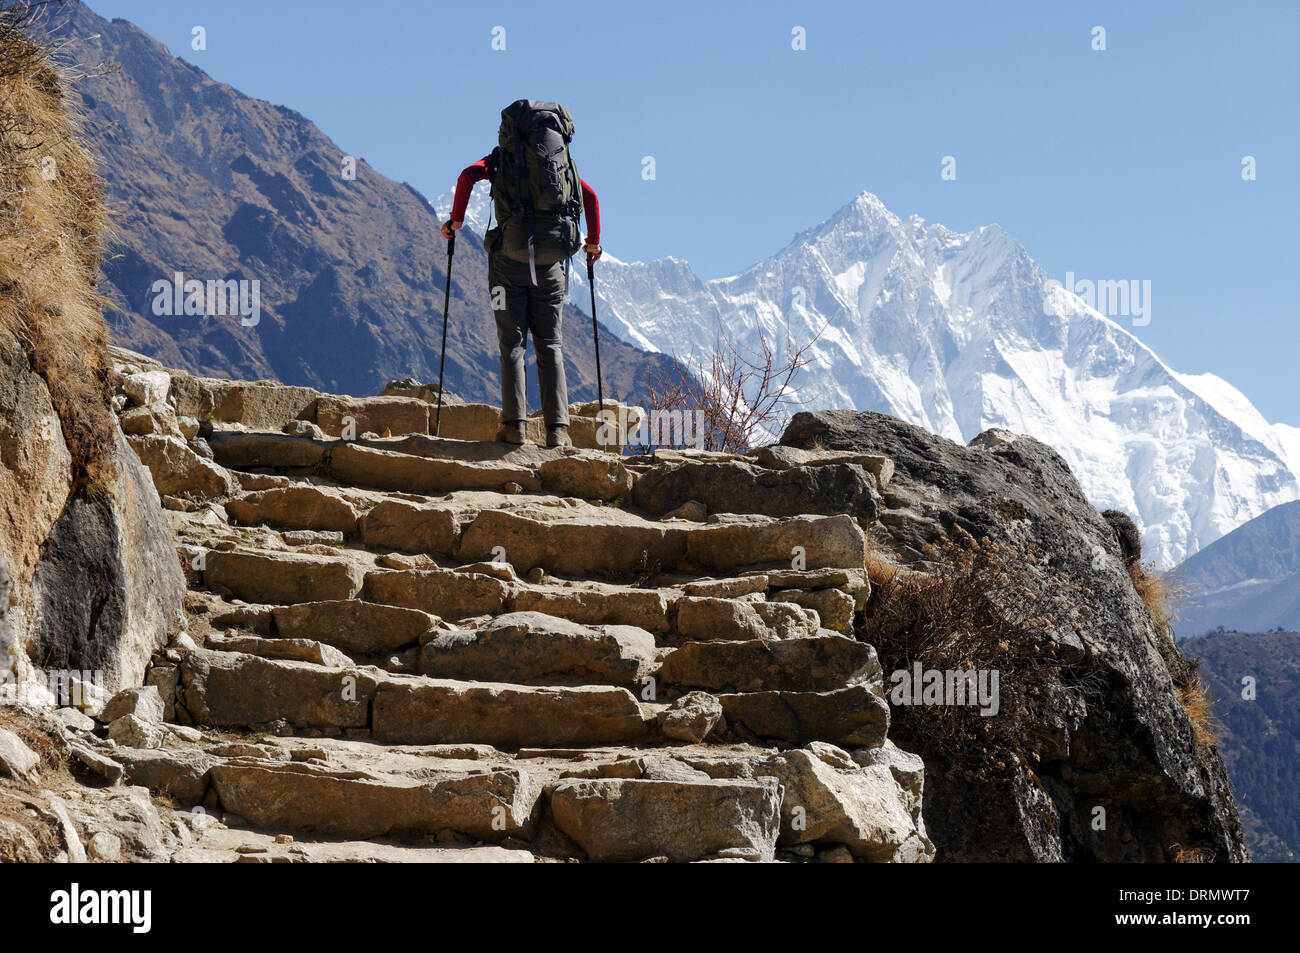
(403, 646)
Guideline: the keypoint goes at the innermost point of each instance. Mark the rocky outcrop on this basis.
(95, 585)
(1117, 772)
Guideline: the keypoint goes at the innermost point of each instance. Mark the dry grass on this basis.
(1160, 592)
(52, 222)
(1191, 694)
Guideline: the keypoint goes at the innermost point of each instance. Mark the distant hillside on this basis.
(1247, 581)
(1260, 739)
(206, 181)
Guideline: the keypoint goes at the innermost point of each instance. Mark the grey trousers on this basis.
(521, 307)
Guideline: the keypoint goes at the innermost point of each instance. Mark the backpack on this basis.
(536, 193)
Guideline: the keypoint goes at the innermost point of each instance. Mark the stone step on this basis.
(530, 648)
(295, 796)
(606, 541)
(355, 626)
(231, 690)
(292, 650)
(242, 450)
(417, 710)
(441, 592)
(220, 845)
(594, 603)
(367, 466)
(817, 664)
(280, 578)
(630, 819)
(853, 717)
(297, 507)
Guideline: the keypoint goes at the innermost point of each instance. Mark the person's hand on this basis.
(593, 253)
(448, 227)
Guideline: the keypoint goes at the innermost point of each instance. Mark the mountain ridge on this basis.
(217, 185)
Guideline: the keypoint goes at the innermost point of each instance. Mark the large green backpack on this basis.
(535, 191)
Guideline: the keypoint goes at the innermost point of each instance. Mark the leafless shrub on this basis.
(741, 392)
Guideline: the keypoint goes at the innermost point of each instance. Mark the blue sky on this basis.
(1121, 164)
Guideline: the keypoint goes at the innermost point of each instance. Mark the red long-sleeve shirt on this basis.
(482, 169)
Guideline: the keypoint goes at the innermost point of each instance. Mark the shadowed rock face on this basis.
(1129, 745)
(206, 181)
(96, 584)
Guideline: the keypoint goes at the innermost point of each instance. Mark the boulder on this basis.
(182, 775)
(145, 703)
(1132, 741)
(107, 589)
(787, 620)
(256, 405)
(691, 717)
(620, 819)
(16, 759)
(732, 588)
(146, 387)
(131, 731)
(178, 471)
(780, 457)
(830, 800)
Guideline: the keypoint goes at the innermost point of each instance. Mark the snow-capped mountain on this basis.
(962, 332)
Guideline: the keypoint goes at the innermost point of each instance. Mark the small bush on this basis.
(984, 606)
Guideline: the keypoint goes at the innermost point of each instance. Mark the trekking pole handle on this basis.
(451, 244)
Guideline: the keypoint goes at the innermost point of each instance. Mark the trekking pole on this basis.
(446, 301)
(595, 336)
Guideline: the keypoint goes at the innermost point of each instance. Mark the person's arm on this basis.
(591, 207)
(469, 177)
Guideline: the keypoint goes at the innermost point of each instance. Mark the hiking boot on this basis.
(512, 431)
(558, 436)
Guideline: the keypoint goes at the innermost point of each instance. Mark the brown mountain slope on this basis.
(206, 181)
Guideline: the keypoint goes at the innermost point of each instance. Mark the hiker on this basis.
(537, 198)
